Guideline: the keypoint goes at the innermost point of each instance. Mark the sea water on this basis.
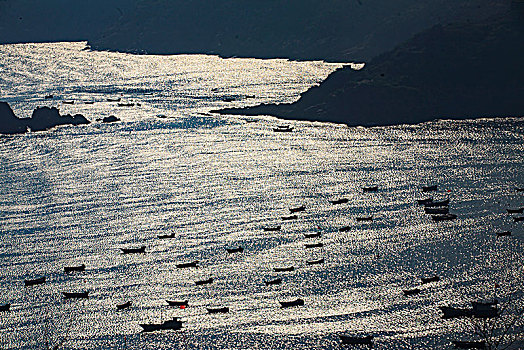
(77, 194)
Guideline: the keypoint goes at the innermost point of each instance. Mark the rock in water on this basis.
(9, 123)
(43, 118)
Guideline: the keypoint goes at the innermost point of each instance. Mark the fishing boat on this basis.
(218, 310)
(312, 234)
(461, 344)
(340, 201)
(425, 201)
(178, 302)
(436, 210)
(515, 211)
(34, 282)
(202, 282)
(364, 218)
(174, 324)
(370, 189)
(452, 312)
(314, 245)
(124, 104)
(290, 217)
(110, 99)
(273, 228)
(408, 292)
(291, 303)
(315, 262)
(68, 102)
(48, 97)
(5, 307)
(89, 102)
(503, 233)
(425, 280)
(171, 235)
(273, 282)
(139, 250)
(77, 268)
(355, 340)
(284, 269)
(344, 229)
(429, 188)
(297, 209)
(123, 306)
(445, 217)
(235, 250)
(185, 265)
(283, 128)
(76, 295)
(442, 203)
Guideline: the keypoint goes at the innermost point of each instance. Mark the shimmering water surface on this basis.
(76, 195)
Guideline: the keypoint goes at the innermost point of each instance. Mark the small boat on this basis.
(273, 282)
(314, 245)
(515, 211)
(117, 99)
(274, 228)
(424, 201)
(123, 306)
(503, 233)
(171, 235)
(297, 209)
(442, 203)
(484, 305)
(76, 295)
(110, 119)
(285, 128)
(123, 104)
(315, 262)
(68, 269)
(187, 264)
(290, 217)
(142, 249)
(408, 292)
(68, 102)
(445, 217)
(370, 189)
(235, 250)
(296, 302)
(89, 102)
(228, 99)
(312, 234)
(34, 282)
(340, 201)
(485, 311)
(5, 307)
(48, 97)
(352, 340)
(177, 302)
(345, 229)
(364, 218)
(218, 310)
(425, 280)
(174, 324)
(452, 312)
(284, 269)
(436, 210)
(429, 188)
(202, 282)
(518, 218)
(461, 344)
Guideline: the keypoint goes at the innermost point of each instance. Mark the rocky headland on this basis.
(460, 70)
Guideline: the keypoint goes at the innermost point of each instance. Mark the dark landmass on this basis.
(43, 118)
(461, 70)
(335, 30)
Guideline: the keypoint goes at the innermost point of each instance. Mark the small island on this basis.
(42, 119)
